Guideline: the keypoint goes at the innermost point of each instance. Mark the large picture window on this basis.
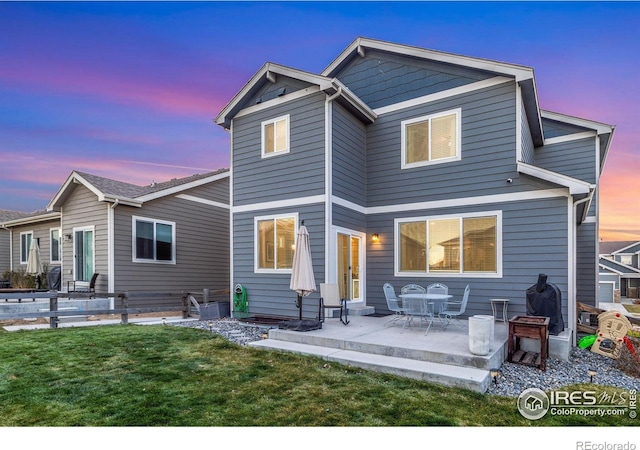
(468, 244)
(275, 136)
(275, 243)
(431, 139)
(153, 240)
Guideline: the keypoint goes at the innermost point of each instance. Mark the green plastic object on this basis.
(587, 341)
(240, 299)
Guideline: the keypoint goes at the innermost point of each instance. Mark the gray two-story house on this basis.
(409, 165)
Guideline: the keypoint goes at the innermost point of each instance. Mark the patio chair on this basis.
(393, 304)
(416, 307)
(437, 288)
(90, 289)
(451, 310)
(330, 298)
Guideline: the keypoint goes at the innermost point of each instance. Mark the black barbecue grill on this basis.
(545, 299)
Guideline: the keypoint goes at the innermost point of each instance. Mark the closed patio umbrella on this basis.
(302, 279)
(34, 263)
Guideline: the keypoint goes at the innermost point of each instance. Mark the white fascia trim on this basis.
(519, 111)
(294, 202)
(120, 200)
(182, 187)
(468, 201)
(278, 101)
(575, 186)
(349, 205)
(590, 219)
(442, 95)
(622, 250)
(570, 137)
(520, 72)
(203, 201)
(33, 219)
(272, 68)
(599, 127)
(354, 100)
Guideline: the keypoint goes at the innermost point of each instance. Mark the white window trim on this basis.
(26, 257)
(134, 257)
(91, 228)
(460, 274)
(256, 238)
(403, 136)
(51, 260)
(263, 136)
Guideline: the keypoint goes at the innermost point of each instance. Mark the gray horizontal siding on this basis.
(381, 79)
(269, 294)
(553, 128)
(202, 247)
(350, 219)
(82, 209)
(5, 251)
(295, 174)
(283, 85)
(528, 149)
(488, 151)
(534, 241)
(349, 157)
(40, 231)
(576, 159)
(587, 263)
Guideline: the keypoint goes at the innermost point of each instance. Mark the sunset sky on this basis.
(129, 90)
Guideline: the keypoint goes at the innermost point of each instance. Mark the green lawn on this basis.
(131, 375)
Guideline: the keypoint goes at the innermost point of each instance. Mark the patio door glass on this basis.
(83, 255)
(349, 261)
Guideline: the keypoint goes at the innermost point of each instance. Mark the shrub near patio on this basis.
(174, 376)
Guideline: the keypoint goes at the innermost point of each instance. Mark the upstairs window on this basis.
(153, 240)
(431, 139)
(275, 136)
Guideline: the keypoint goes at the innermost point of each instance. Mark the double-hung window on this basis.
(154, 240)
(25, 245)
(55, 246)
(275, 136)
(431, 139)
(275, 243)
(469, 244)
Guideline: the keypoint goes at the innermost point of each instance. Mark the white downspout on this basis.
(328, 190)
(111, 250)
(571, 309)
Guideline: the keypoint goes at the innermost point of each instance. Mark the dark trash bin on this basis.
(215, 310)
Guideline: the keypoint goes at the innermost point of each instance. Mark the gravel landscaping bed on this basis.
(513, 379)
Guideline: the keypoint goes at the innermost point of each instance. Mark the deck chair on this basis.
(393, 304)
(451, 310)
(91, 289)
(330, 298)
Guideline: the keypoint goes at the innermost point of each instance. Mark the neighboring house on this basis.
(18, 229)
(410, 165)
(166, 237)
(619, 270)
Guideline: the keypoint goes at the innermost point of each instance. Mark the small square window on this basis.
(275, 136)
(431, 139)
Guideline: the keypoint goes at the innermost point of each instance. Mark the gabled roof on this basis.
(15, 218)
(634, 247)
(611, 247)
(619, 268)
(603, 131)
(522, 74)
(269, 73)
(109, 190)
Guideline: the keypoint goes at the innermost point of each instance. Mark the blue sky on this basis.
(129, 90)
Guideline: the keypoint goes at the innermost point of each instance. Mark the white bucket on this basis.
(480, 334)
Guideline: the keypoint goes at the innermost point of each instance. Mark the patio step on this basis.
(445, 374)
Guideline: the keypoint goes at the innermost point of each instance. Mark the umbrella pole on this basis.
(300, 305)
